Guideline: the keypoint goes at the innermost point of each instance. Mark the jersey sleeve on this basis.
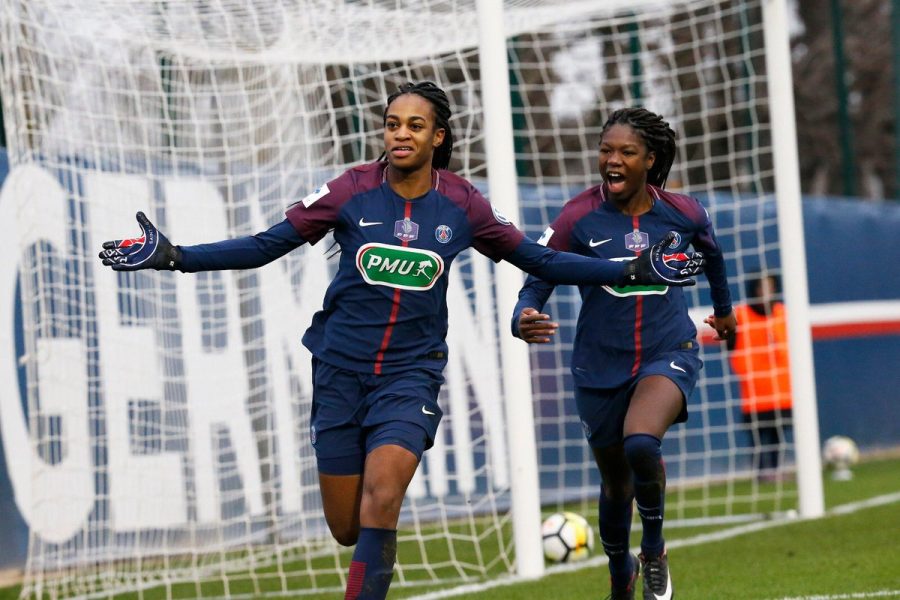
(705, 241)
(558, 236)
(316, 214)
(248, 252)
(534, 294)
(492, 233)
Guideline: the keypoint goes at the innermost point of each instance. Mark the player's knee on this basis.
(345, 535)
(381, 501)
(618, 492)
(642, 452)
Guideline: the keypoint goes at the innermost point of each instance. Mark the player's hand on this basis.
(149, 251)
(535, 327)
(655, 267)
(726, 327)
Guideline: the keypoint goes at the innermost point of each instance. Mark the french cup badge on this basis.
(637, 240)
(406, 230)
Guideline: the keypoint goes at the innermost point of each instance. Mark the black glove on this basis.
(654, 267)
(150, 251)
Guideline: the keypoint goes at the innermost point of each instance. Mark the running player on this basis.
(378, 344)
(636, 358)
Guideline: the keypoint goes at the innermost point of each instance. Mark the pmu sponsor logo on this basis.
(399, 267)
(623, 291)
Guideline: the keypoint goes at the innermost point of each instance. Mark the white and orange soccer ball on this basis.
(568, 537)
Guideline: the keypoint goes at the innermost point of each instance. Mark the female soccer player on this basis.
(635, 359)
(378, 344)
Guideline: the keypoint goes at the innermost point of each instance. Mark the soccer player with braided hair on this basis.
(635, 359)
(378, 344)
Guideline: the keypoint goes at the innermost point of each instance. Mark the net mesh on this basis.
(166, 416)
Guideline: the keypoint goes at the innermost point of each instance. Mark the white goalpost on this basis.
(156, 424)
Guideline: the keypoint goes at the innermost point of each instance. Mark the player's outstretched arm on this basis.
(655, 267)
(149, 251)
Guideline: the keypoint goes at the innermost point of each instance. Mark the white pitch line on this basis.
(850, 596)
(843, 509)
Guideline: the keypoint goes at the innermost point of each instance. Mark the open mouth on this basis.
(615, 181)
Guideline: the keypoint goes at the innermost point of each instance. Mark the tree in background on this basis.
(869, 78)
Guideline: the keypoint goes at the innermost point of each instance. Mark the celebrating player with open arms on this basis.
(635, 359)
(378, 344)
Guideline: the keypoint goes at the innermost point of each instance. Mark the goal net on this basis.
(156, 424)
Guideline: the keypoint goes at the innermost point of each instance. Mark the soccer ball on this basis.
(568, 537)
(840, 453)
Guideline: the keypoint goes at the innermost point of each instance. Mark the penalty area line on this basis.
(849, 596)
(696, 540)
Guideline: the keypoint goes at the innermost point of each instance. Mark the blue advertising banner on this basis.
(851, 257)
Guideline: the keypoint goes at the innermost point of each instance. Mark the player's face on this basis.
(624, 162)
(410, 134)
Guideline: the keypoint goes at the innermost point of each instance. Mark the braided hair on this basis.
(441, 104)
(657, 135)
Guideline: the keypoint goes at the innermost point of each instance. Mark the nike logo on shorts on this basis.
(676, 367)
(594, 244)
(427, 412)
(364, 223)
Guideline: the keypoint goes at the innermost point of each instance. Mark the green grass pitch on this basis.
(838, 556)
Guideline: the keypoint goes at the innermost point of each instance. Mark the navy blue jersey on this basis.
(386, 308)
(620, 327)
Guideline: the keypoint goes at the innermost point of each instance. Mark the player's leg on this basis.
(341, 496)
(602, 414)
(616, 509)
(336, 434)
(655, 405)
(389, 469)
(659, 399)
(401, 421)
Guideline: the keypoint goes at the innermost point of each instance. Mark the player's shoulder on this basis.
(338, 190)
(365, 176)
(456, 187)
(462, 193)
(355, 181)
(587, 200)
(582, 204)
(685, 205)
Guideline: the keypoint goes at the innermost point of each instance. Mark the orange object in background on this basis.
(760, 359)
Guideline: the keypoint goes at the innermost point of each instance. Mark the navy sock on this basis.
(615, 529)
(645, 457)
(372, 566)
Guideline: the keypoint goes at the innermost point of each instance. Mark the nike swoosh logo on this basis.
(667, 595)
(427, 412)
(364, 223)
(594, 244)
(676, 367)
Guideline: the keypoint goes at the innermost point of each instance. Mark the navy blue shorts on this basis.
(353, 413)
(602, 410)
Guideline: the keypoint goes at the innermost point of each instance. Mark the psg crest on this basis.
(443, 233)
